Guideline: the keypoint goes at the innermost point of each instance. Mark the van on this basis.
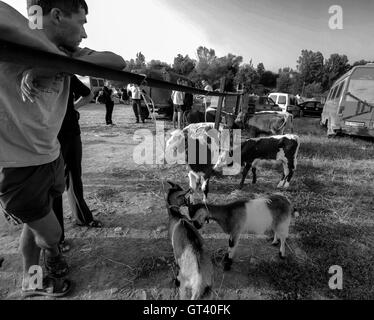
(287, 102)
(349, 107)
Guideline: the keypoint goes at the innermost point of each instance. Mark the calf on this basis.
(279, 149)
(196, 142)
(254, 216)
(195, 266)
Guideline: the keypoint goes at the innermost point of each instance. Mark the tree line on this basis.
(314, 75)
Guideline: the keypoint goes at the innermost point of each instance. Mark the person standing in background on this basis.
(109, 104)
(136, 97)
(71, 150)
(178, 102)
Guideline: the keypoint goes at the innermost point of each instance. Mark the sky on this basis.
(273, 32)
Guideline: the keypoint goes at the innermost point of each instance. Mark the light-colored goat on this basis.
(253, 216)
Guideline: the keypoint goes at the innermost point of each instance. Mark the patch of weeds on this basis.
(330, 243)
(292, 280)
(106, 194)
(148, 265)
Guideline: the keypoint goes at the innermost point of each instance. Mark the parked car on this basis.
(287, 102)
(266, 104)
(311, 108)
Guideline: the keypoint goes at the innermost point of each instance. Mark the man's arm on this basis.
(82, 101)
(105, 58)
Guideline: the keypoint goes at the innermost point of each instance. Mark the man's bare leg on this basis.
(42, 234)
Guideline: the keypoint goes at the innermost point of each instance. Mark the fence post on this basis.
(238, 100)
(220, 104)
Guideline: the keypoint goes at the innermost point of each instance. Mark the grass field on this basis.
(131, 258)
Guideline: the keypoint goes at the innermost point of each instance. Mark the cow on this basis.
(282, 149)
(265, 123)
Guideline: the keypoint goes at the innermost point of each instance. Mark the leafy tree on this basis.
(183, 65)
(313, 89)
(248, 77)
(336, 66)
(130, 65)
(140, 60)
(158, 65)
(260, 70)
(269, 79)
(311, 66)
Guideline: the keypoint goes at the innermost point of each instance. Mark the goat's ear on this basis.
(175, 186)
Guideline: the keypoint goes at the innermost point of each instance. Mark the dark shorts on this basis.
(26, 194)
(178, 108)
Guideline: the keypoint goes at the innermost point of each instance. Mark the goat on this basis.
(276, 149)
(195, 266)
(195, 139)
(254, 216)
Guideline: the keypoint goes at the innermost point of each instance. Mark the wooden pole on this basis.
(220, 104)
(238, 101)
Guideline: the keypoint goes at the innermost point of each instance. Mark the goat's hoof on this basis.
(281, 256)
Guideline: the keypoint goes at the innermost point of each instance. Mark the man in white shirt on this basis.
(136, 97)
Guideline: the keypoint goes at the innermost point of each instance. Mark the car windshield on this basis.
(362, 85)
(271, 100)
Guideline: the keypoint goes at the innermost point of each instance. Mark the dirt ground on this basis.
(131, 257)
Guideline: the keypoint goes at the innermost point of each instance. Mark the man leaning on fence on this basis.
(33, 103)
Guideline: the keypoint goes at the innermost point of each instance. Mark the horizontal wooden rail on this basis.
(20, 54)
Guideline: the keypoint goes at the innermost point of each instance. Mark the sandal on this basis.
(55, 288)
(56, 266)
(93, 224)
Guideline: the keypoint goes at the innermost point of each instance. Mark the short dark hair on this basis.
(68, 7)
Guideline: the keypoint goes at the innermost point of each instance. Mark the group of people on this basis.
(183, 102)
(132, 92)
(40, 147)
